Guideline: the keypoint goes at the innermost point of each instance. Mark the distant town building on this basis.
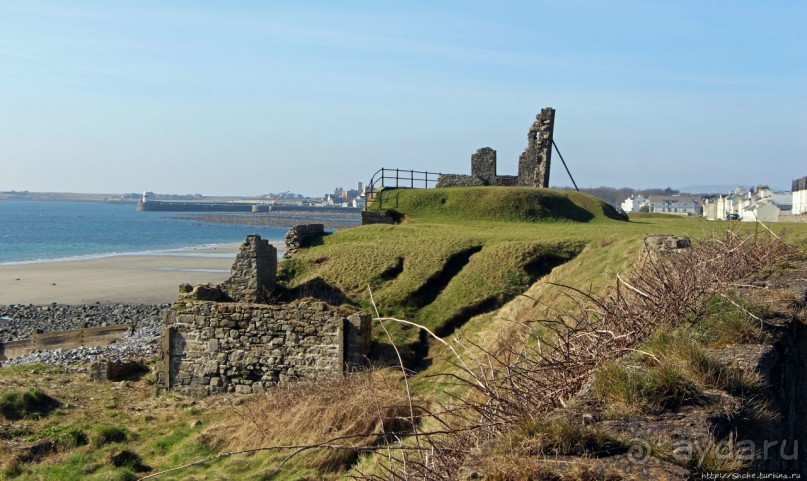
(679, 204)
(760, 211)
(799, 196)
(760, 204)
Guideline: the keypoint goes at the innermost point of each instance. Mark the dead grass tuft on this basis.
(652, 390)
(564, 437)
(366, 408)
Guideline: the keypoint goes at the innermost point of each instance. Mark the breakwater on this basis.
(313, 208)
(179, 206)
(167, 206)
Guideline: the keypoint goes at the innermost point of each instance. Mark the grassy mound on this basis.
(460, 252)
(511, 204)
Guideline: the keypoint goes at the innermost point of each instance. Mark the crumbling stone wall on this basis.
(227, 338)
(458, 180)
(253, 274)
(298, 234)
(209, 347)
(483, 165)
(533, 165)
(381, 216)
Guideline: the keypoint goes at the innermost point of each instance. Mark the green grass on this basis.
(726, 322)
(651, 390)
(495, 232)
(676, 368)
(76, 467)
(31, 368)
(30, 403)
(165, 444)
(563, 437)
(500, 204)
(105, 434)
(64, 436)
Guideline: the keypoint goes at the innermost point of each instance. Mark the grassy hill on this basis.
(458, 252)
(495, 204)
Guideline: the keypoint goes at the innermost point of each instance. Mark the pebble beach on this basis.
(19, 321)
(123, 289)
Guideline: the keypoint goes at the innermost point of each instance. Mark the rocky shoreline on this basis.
(19, 321)
(331, 220)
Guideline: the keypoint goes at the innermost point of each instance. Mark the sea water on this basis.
(32, 231)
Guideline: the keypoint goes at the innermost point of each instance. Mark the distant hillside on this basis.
(712, 188)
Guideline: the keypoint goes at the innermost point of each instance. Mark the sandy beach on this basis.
(143, 279)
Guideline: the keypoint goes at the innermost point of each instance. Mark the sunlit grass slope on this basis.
(458, 252)
(461, 251)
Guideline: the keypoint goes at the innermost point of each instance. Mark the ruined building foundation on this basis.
(227, 338)
(533, 164)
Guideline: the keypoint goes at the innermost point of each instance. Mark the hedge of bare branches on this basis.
(548, 361)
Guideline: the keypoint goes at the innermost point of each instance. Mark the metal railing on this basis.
(397, 178)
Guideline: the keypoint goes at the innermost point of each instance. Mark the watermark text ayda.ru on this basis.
(695, 452)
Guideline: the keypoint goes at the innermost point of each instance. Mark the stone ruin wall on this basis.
(483, 165)
(298, 234)
(253, 274)
(533, 164)
(459, 180)
(210, 347)
(227, 338)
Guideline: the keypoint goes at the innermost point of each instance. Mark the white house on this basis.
(761, 211)
(717, 208)
(632, 203)
(358, 202)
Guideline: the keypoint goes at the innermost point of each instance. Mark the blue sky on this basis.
(247, 97)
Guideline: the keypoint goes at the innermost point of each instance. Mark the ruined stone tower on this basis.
(533, 165)
(253, 274)
(483, 165)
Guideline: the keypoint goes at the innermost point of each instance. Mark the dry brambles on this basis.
(547, 361)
